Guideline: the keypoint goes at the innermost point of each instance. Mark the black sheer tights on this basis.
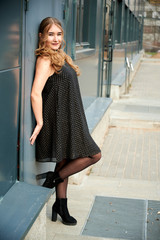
(67, 168)
(61, 188)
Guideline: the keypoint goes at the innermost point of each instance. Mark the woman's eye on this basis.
(52, 34)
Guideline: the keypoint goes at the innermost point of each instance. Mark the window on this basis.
(130, 26)
(118, 22)
(83, 19)
(125, 32)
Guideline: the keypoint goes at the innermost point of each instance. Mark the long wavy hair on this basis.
(57, 57)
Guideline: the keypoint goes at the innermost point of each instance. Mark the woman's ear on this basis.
(40, 35)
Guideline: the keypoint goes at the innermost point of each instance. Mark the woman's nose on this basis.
(55, 38)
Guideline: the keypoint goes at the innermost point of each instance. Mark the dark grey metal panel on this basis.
(118, 218)
(153, 220)
(10, 24)
(10, 37)
(9, 92)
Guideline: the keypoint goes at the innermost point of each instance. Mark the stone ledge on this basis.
(19, 209)
(38, 229)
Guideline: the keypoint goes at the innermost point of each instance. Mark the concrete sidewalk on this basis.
(130, 166)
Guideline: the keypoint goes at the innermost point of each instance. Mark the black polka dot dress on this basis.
(65, 132)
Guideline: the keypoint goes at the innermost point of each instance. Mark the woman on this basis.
(61, 131)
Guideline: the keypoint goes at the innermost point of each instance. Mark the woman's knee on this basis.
(60, 165)
(96, 157)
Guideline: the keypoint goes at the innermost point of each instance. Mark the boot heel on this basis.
(60, 207)
(43, 175)
(54, 216)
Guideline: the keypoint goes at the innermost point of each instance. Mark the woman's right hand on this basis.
(35, 133)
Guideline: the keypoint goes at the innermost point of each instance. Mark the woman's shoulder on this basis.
(43, 64)
(43, 60)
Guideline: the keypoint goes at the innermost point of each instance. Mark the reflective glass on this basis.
(10, 16)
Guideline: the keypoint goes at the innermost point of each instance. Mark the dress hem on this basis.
(53, 159)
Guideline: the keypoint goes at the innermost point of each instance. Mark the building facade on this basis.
(151, 35)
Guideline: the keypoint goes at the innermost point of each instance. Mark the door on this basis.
(105, 66)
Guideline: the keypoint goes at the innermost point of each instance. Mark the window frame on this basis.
(80, 27)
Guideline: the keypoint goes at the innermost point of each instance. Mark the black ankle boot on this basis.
(60, 207)
(52, 180)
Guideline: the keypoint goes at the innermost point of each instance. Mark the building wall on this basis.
(151, 36)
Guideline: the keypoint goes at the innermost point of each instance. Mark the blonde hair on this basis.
(57, 57)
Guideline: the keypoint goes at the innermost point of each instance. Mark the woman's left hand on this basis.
(35, 133)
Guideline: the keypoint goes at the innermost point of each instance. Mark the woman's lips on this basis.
(55, 45)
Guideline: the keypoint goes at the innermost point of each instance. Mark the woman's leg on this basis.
(61, 188)
(60, 205)
(78, 165)
(65, 169)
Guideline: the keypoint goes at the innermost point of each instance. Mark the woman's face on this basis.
(55, 37)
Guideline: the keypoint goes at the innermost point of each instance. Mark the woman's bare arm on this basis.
(43, 71)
